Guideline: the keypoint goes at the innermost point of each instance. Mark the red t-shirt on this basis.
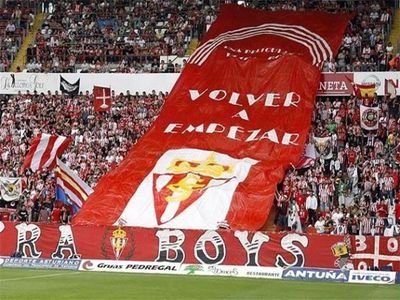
(55, 215)
(395, 176)
(351, 156)
(303, 214)
(397, 208)
(300, 200)
(381, 209)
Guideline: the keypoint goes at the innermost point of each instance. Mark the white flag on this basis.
(10, 188)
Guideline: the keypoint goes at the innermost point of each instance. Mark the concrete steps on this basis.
(394, 36)
(192, 46)
(20, 59)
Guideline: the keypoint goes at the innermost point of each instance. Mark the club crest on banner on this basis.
(188, 184)
(185, 182)
(118, 242)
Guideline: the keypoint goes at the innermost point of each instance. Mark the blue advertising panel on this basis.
(316, 274)
(39, 263)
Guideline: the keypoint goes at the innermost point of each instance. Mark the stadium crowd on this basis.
(115, 36)
(100, 140)
(135, 36)
(355, 190)
(15, 22)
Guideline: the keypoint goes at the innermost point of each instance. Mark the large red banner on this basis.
(242, 248)
(237, 117)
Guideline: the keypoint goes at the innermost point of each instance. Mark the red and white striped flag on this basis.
(69, 183)
(308, 157)
(44, 150)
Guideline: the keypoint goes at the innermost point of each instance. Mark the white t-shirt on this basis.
(320, 226)
(336, 216)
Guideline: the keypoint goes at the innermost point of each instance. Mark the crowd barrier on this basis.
(123, 266)
(202, 252)
(379, 226)
(331, 84)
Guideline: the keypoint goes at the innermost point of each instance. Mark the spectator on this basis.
(293, 216)
(320, 225)
(22, 214)
(311, 206)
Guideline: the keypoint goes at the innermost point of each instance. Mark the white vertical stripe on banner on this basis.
(41, 148)
(59, 141)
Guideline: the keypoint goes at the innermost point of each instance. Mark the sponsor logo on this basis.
(152, 267)
(223, 271)
(315, 274)
(263, 272)
(361, 277)
(192, 269)
(376, 277)
(88, 265)
(231, 270)
(41, 263)
(128, 266)
(27, 82)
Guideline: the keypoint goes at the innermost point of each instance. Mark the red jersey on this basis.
(300, 200)
(55, 215)
(351, 156)
(303, 214)
(397, 211)
(381, 209)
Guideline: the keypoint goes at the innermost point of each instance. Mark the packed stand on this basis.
(100, 142)
(131, 36)
(16, 18)
(115, 36)
(365, 45)
(355, 189)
